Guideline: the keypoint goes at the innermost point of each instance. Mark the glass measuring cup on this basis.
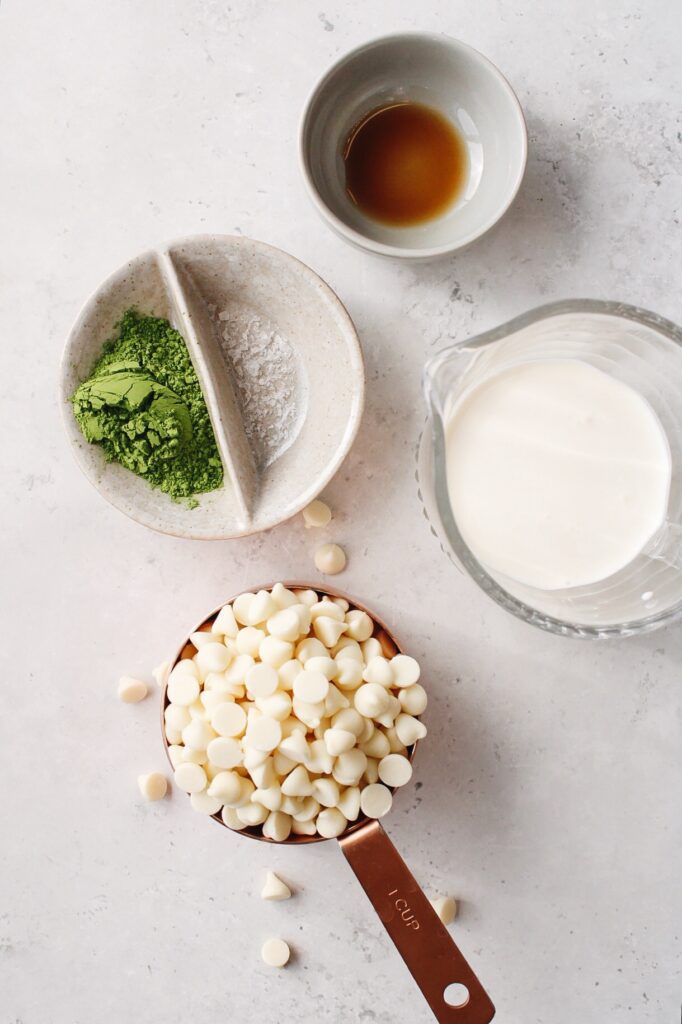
(424, 943)
(636, 347)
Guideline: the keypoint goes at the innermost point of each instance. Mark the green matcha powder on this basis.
(143, 405)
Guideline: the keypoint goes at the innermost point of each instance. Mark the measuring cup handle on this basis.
(421, 938)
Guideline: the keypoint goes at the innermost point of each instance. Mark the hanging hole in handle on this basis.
(456, 995)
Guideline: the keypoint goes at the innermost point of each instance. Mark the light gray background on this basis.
(550, 785)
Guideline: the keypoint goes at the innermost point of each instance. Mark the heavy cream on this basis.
(558, 474)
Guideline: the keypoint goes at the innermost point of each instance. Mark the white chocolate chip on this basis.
(277, 706)
(311, 687)
(348, 648)
(371, 700)
(225, 622)
(319, 760)
(335, 701)
(261, 608)
(261, 681)
(326, 792)
(372, 770)
(375, 800)
(446, 908)
(161, 673)
(310, 714)
(249, 640)
(309, 808)
(379, 670)
(190, 777)
(349, 673)
(224, 752)
(277, 826)
(153, 786)
(275, 952)
(236, 673)
(328, 630)
(131, 690)
(212, 657)
(371, 649)
(275, 652)
(395, 770)
(176, 717)
(338, 741)
(303, 828)
(330, 559)
(287, 673)
(252, 814)
(409, 729)
(263, 775)
(349, 767)
(349, 803)
(405, 670)
(275, 888)
(282, 597)
(203, 803)
(328, 608)
(176, 754)
(282, 764)
(317, 514)
(263, 733)
(183, 687)
(202, 637)
(295, 747)
(349, 719)
(226, 786)
(241, 606)
(310, 648)
(297, 783)
(228, 719)
(285, 625)
(360, 626)
(198, 734)
(231, 818)
(413, 699)
(377, 745)
(327, 666)
(330, 823)
(271, 797)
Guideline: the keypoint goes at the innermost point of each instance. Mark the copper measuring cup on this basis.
(422, 940)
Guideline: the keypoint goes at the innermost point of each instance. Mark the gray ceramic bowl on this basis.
(441, 73)
(280, 367)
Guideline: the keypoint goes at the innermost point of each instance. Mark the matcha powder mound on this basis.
(143, 405)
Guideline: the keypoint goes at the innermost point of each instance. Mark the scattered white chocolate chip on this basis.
(275, 953)
(330, 559)
(131, 690)
(275, 888)
(446, 908)
(317, 514)
(153, 786)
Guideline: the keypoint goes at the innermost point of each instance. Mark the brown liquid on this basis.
(405, 163)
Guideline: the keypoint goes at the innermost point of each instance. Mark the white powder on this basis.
(267, 379)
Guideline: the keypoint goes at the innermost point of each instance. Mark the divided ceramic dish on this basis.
(279, 363)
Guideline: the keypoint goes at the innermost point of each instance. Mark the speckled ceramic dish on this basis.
(280, 365)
